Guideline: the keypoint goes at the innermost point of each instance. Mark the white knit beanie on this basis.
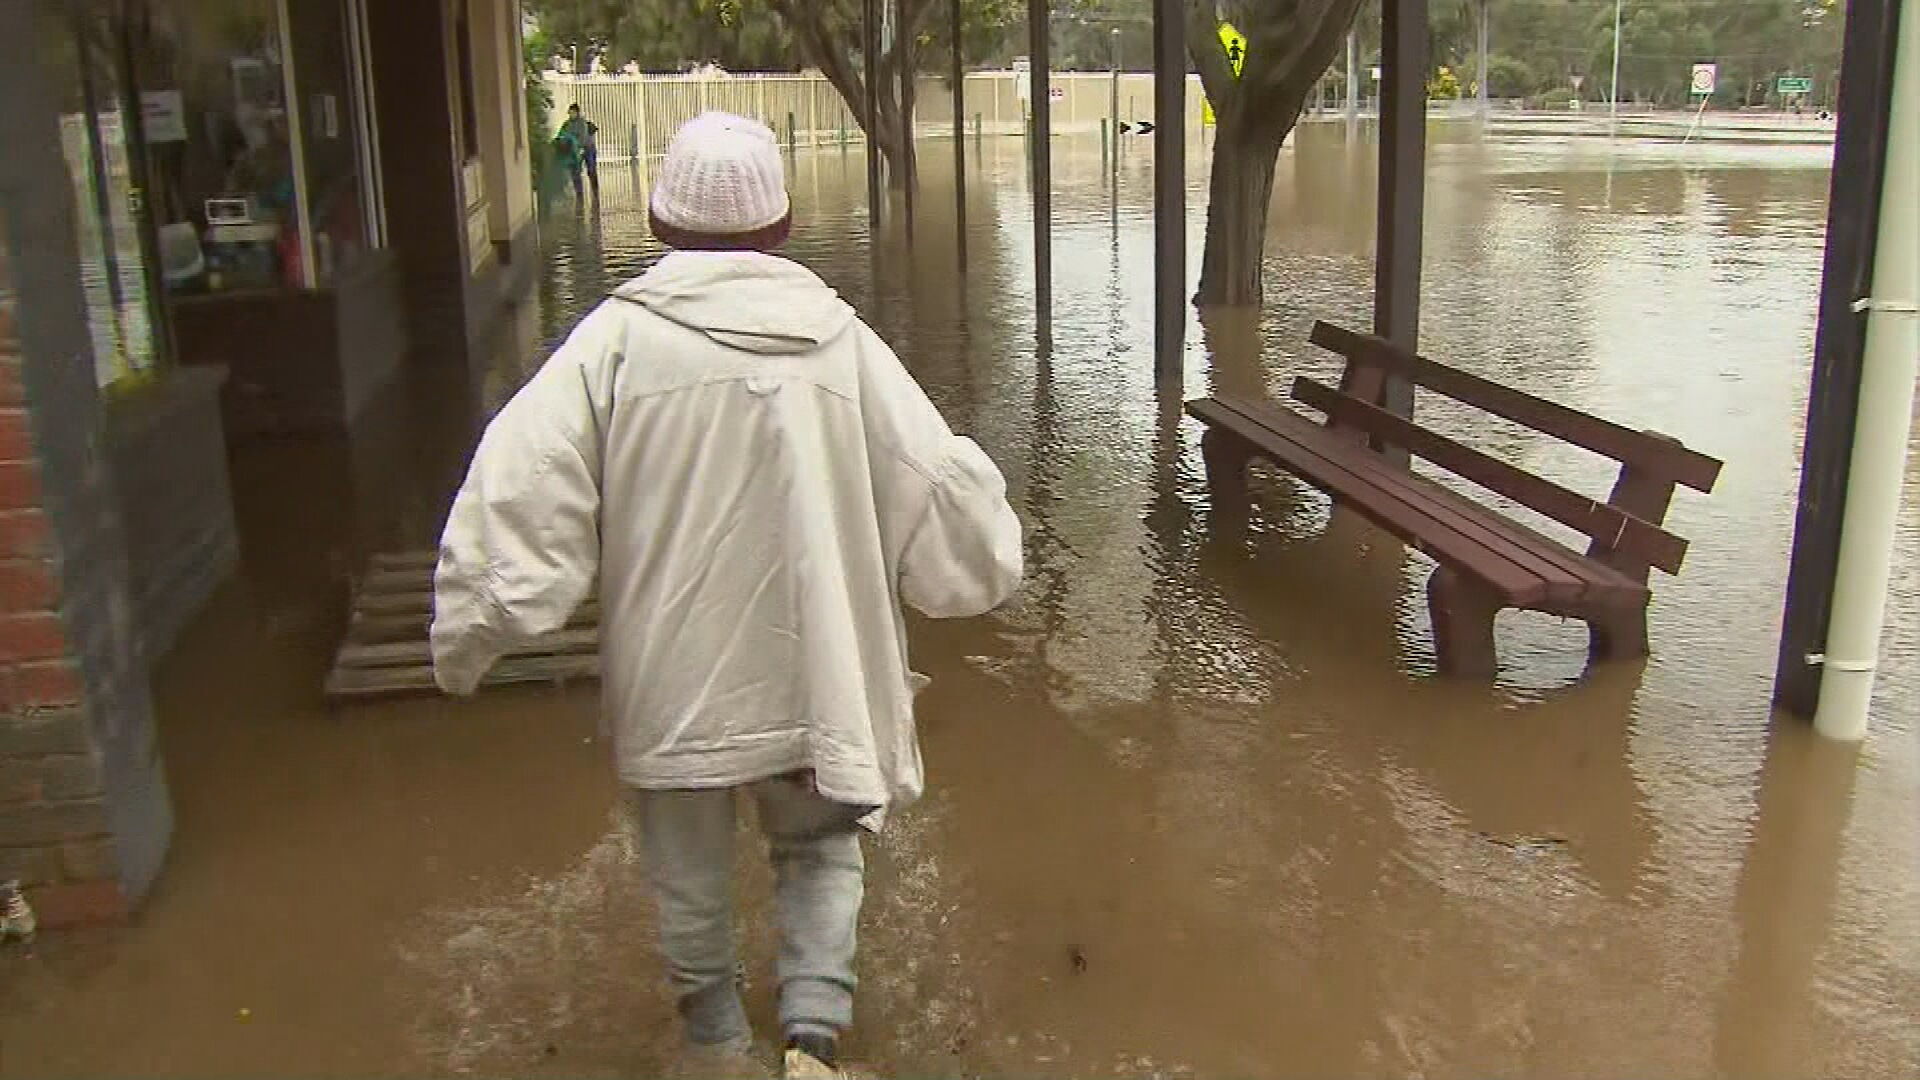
(722, 176)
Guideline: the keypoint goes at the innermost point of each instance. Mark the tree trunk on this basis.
(1239, 193)
(823, 42)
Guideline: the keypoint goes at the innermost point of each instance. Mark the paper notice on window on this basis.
(164, 116)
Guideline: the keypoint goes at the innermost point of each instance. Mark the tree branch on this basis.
(1203, 45)
(1285, 56)
(810, 29)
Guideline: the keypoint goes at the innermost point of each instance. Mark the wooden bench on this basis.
(1487, 561)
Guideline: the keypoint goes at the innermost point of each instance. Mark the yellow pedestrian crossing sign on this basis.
(1234, 44)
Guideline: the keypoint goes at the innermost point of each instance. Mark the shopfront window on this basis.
(324, 47)
(218, 136)
(107, 198)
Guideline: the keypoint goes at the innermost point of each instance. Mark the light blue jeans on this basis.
(819, 879)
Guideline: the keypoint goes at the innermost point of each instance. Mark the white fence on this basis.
(638, 114)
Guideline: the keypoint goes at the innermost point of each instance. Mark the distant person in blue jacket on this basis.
(584, 134)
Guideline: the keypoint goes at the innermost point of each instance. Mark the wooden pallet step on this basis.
(405, 653)
(386, 651)
(394, 603)
(346, 684)
(377, 629)
(393, 581)
(405, 560)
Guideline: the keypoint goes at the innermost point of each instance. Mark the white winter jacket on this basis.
(758, 484)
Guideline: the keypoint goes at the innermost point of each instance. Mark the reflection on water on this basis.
(1197, 806)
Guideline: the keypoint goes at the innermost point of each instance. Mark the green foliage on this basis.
(668, 35)
(1540, 45)
(1537, 45)
(752, 35)
(536, 54)
(1084, 37)
(1509, 76)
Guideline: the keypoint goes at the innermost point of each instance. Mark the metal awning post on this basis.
(908, 74)
(1169, 190)
(1853, 223)
(1403, 154)
(959, 140)
(1040, 153)
(870, 81)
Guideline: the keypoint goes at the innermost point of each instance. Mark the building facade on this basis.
(220, 225)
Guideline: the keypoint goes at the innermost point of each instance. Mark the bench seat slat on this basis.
(1563, 580)
(1516, 581)
(1629, 447)
(1527, 569)
(1596, 520)
(1588, 577)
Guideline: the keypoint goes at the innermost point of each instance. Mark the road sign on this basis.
(1793, 85)
(1235, 45)
(1705, 78)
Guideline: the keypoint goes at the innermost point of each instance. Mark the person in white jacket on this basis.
(758, 486)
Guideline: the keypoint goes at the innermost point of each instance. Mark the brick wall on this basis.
(84, 811)
(55, 830)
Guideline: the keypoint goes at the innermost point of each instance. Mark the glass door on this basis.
(109, 216)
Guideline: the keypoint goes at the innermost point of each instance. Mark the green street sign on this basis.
(1792, 85)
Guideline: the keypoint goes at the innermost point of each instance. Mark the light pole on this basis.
(1353, 78)
(1613, 93)
(1483, 61)
(1113, 99)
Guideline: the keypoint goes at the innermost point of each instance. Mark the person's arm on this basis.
(964, 557)
(522, 543)
(942, 502)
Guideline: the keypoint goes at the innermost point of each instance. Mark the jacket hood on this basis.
(744, 300)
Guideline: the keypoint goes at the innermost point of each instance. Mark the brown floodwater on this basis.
(1196, 808)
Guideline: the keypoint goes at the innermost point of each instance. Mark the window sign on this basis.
(163, 116)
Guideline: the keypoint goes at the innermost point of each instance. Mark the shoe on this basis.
(721, 1061)
(800, 1065)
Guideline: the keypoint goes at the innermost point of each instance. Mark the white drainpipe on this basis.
(1889, 365)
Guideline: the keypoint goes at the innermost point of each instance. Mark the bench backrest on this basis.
(1625, 529)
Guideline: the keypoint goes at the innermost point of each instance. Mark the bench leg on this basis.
(1618, 635)
(1463, 614)
(1227, 458)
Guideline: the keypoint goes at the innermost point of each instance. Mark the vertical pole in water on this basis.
(1854, 206)
(1040, 151)
(1482, 80)
(1353, 79)
(1113, 106)
(1613, 91)
(1869, 531)
(909, 153)
(959, 139)
(813, 113)
(1169, 190)
(642, 119)
(870, 56)
(1403, 151)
